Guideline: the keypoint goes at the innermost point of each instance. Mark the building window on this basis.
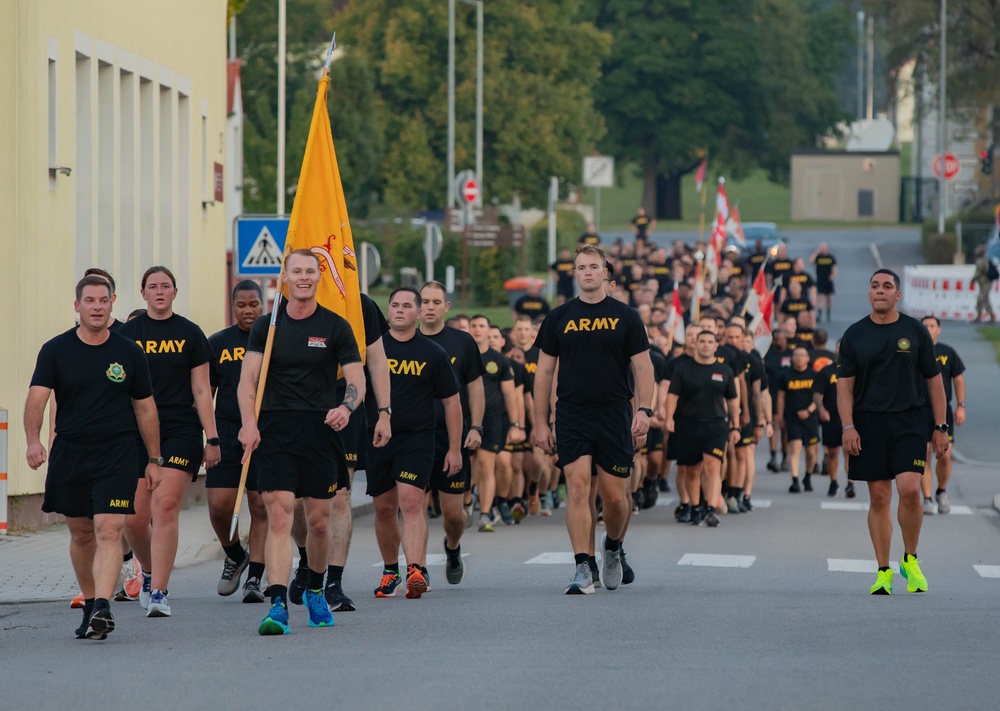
(866, 203)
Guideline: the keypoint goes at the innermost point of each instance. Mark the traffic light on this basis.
(986, 161)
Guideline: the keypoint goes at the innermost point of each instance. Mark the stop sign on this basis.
(951, 165)
(470, 190)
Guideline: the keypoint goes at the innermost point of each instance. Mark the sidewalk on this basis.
(35, 567)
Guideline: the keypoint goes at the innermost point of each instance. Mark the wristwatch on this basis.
(158, 461)
(386, 410)
(349, 406)
(516, 425)
(942, 428)
(648, 411)
(477, 428)
(213, 441)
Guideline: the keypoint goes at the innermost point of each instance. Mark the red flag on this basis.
(699, 177)
(761, 324)
(677, 324)
(722, 202)
(760, 283)
(735, 225)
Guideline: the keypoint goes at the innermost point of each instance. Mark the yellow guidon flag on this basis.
(320, 224)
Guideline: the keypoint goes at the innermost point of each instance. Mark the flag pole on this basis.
(767, 258)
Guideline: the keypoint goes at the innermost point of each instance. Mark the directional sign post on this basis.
(598, 172)
(259, 245)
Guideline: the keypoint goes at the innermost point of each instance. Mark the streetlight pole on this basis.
(861, 64)
(282, 14)
(451, 100)
(451, 104)
(870, 111)
(479, 100)
(942, 118)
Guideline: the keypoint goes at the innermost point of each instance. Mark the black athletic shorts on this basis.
(524, 446)
(407, 459)
(91, 477)
(696, 438)
(440, 481)
(949, 418)
(825, 287)
(357, 439)
(672, 443)
(806, 430)
(891, 443)
(746, 436)
(603, 432)
(226, 474)
(494, 436)
(298, 452)
(654, 439)
(833, 432)
(181, 446)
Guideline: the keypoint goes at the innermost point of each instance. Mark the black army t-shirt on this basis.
(532, 306)
(888, 361)
(824, 268)
(826, 386)
(174, 346)
(496, 369)
(779, 269)
(375, 326)
(951, 366)
(594, 344)
(463, 353)
(702, 390)
(798, 386)
(228, 347)
(419, 374)
(564, 272)
(736, 360)
(793, 307)
(673, 364)
(94, 385)
(302, 375)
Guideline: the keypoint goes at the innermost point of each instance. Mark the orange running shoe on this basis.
(416, 582)
(77, 602)
(387, 588)
(133, 579)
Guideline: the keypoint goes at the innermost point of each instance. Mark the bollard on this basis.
(3, 471)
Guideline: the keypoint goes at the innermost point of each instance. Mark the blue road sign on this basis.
(260, 243)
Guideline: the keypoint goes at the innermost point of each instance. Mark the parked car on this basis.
(767, 232)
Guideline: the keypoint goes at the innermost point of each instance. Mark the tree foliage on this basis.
(744, 83)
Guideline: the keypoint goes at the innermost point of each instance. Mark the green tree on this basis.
(539, 119)
(743, 82)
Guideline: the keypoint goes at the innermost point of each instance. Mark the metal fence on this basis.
(918, 199)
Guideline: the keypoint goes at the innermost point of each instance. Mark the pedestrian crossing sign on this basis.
(260, 243)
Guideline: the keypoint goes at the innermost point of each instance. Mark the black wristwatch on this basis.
(942, 428)
(386, 410)
(649, 412)
(213, 441)
(349, 406)
(477, 428)
(158, 461)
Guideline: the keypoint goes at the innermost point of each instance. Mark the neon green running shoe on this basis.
(910, 569)
(883, 586)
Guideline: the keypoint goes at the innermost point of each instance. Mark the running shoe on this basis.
(910, 569)
(387, 588)
(319, 611)
(518, 511)
(663, 485)
(454, 567)
(547, 504)
(132, 575)
(628, 575)
(252, 591)
(849, 490)
(772, 465)
(337, 600)
(231, 574)
(785, 466)
(583, 581)
(834, 488)
(505, 514)
(102, 622)
(469, 510)
(77, 602)
(733, 505)
(942, 502)
(807, 484)
(81, 631)
(815, 469)
(595, 574)
(795, 488)
(929, 508)
(297, 586)
(416, 583)
(697, 516)
(611, 575)
(683, 513)
(561, 492)
(145, 590)
(883, 584)
(485, 526)
(534, 505)
(159, 605)
(746, 502)
(276, 621)
(711, 520)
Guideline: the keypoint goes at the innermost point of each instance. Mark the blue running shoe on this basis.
(319, 611)
(276, 621)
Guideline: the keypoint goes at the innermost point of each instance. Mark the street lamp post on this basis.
(281, 105)
(451, 99)
(942, 118)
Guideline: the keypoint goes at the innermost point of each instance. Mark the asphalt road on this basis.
(762, 613)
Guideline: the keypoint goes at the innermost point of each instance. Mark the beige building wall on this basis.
(837, 185)
(129, 98)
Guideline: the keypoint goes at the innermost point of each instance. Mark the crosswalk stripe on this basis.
(988, 571)
(712, 560)
(665, 500)
(843, 506)
(554, 558)
(433, 559)
(854, 565)
(959, 510)
(761, 503)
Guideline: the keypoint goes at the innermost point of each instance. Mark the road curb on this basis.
(876, 255)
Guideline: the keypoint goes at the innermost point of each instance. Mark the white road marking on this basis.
(987, 571)
(959, 510)
(854, 565)
(760, 503)
(711, 560)
(433, 559)
(665, 500)
(555, 558)
(843, 506)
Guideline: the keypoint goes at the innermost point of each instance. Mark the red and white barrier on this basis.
(942, 290)
(3, 471)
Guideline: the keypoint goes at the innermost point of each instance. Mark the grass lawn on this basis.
(992, 334)
(499, 315)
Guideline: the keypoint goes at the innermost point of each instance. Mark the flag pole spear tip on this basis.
(722, 181)
(329, 52)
